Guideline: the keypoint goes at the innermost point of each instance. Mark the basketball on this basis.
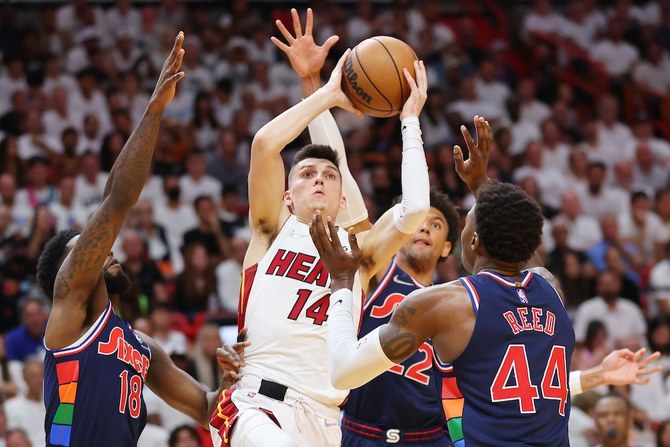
(373, 79)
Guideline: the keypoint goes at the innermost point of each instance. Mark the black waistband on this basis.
(272, 390)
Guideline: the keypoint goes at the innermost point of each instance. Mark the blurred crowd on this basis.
(578, 93)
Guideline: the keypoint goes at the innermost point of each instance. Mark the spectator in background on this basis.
(652, 74)
(58, 117)
(68, 162)
(55, 78)
(176, 217)
(224, 165)
(435, 127)
(203, 130)
(541, 20)
(592, 146)
(204, 367)
(659, 284)
(195, 182)
(170, 340)
(232, 211)
(628, 278)
(583, 230)
(89, 99)
(550, 180)
(616, 55)
(229, 275)
(153, 233)
(91, 137)
(643, 227)
(612, 134)
(594, 349)
(184, 436)
(623, 320)
(11, 120)
(555, 151)
(90, 183)
(146, 281)
(598, 199)
(209, 230)
(26, 411)
(610, 231)
(10, 162)
(67, 212)
(43, 228)
(531, 110)
(195, 286)
(614, 418)
(663, 434)
(8, 388)
(25, 340)
(662, 209)
(648, 173)
(35, 142)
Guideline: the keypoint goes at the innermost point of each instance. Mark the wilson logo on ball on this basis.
(351, 77)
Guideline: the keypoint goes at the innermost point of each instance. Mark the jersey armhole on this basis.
(86, 339)
(472, 293)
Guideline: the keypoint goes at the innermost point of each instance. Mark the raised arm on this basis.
(396, 226)
(267, 212)
(307, 59)
(74, 298)
(474, 170)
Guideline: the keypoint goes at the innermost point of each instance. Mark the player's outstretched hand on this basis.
(341, 266)
(623, 367)
(168, 78)
(419, 91)
(231, 358)
(474, 170)
(306, 57)
(334, 87)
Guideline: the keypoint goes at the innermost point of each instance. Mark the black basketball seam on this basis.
(390, 109)
(402, 90)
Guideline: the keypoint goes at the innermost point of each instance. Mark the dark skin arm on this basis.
(79, 296)
(442, 313)
(473, 171)
(180, 390)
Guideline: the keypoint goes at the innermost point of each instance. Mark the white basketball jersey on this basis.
(284, 305)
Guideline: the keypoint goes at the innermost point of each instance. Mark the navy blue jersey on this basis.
(514, 371)
(404, 397)
(93, 388)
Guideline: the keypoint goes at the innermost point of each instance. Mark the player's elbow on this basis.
(340, 380)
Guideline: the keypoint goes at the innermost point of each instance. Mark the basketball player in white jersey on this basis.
(284, 396)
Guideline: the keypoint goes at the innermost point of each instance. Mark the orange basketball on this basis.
(373, 79)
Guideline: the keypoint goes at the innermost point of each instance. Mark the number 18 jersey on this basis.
(514, 371)
(93, 388)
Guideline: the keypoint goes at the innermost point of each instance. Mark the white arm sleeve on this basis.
(323, 130)
(575, 383)
(351, 362)
(410, 213)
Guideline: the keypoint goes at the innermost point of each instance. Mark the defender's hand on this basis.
(168, 78)
(474, 170)
(623, 367)
(419, 91)
(306, 57)
(341, 266)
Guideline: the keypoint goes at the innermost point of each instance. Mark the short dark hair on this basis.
(508, 222)
(321, 151)
(317, 151)
(440, 201)
(638, 195)
(51, 259)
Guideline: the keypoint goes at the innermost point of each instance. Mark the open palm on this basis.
(306, 57)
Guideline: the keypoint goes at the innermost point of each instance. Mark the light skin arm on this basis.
(267, 212)
(307, 59)
(384, 240)
(74, 301)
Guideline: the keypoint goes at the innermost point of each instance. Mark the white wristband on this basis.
(575, 383)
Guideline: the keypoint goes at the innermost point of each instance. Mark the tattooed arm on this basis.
(79, 294)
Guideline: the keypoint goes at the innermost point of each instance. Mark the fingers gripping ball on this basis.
(373, 79)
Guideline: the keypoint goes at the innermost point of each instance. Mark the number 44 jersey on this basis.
(514, 371)
(93, 388)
